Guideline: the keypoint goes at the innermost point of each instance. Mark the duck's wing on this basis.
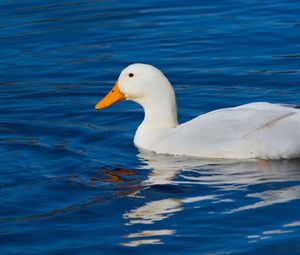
(256, 125)
(240, 122)
(268, 106)
(253, 130)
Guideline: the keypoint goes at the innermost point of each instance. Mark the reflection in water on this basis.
(141, 241)
(160, 209)
(222, 175)
(162, 232)
(113, 175)
(267, 234)
(154, 211)
(147, 233)
(271, 197)
(293, 224)
(240, 175)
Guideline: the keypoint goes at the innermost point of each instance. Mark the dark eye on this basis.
(130, 75)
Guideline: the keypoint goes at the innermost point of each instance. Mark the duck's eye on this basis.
(130, 75)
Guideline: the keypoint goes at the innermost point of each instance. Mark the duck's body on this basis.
(257, 130)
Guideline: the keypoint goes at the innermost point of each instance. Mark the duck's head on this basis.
(140, 83)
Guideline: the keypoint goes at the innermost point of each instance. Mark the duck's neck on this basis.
(160, 119)
(160, 113)
(160, 116)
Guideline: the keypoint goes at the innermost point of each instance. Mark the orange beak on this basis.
(114, 96)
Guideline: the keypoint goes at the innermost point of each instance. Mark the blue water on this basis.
(72, 181)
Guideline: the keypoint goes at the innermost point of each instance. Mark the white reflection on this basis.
(292, 224)
(267, 235)
(224, 175)
(276, 232)
(271, 197)
(161, 232)
(141, 242)
(147, 233)
(166, 167)
(164, 171)
(154, 211)
(160, 209)
(239, 175)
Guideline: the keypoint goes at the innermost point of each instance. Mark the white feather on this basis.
(256, 130)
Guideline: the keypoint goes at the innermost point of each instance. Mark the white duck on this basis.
(256, 130)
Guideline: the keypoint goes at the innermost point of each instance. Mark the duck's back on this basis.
(257, 130)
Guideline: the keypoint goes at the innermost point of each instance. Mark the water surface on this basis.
(72, 181)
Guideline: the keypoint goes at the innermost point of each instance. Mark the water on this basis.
(72, 181)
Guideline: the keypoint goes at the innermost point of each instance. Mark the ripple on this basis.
(76, 173)
(293, 224)
(271, 197)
